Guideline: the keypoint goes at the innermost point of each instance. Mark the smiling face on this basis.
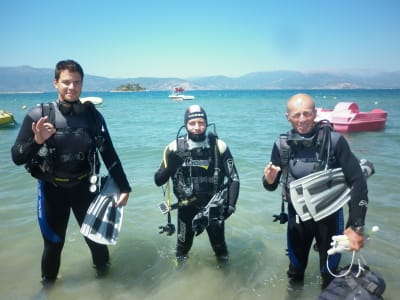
(301, 113)
(68, 85)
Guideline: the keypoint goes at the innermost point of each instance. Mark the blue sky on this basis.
(173, 38)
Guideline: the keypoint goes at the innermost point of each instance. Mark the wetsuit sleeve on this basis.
(112, 161)
(25, 146)
(232, 174)
(356, 179)
(170, 163)
(276, 161)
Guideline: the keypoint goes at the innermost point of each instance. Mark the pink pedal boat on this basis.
(346, 117)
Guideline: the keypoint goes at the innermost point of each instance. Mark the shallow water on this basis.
(142, 261)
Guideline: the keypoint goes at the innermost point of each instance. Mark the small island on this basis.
(129, 87)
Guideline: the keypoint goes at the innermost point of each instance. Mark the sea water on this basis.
(141, 125)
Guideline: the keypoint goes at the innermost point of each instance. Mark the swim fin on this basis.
(322, 193)
(103, 220)
(297, 197)
(326, 194)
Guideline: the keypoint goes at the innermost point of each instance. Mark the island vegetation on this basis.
(130, 87)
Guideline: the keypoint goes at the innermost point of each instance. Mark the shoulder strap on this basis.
(284, 151)
(325, 156)
(181, 147)
(96, 119)
(217, 170)
(49, 111)
(97, 125)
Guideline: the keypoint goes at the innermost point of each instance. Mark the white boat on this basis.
(178, 95)
(94, 100)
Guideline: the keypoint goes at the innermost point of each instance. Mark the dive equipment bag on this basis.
(360, 284)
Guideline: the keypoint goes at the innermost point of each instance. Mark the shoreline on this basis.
(213, 90)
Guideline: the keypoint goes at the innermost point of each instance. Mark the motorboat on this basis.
(346, 117)
(178, 95)
(94, 100)
(6, 118)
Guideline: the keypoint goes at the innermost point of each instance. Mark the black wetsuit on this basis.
(66, 187)
(301, 234)
(191, 166)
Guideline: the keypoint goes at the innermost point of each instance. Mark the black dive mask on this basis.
(296, 140)
(70, 108)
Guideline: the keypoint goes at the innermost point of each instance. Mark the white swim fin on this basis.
(326, 194)
(103, 220)
(322, 193)
(297, 197)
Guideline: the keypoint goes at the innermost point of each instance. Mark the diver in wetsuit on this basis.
(304, 159)
(190, 161)
(67, 153)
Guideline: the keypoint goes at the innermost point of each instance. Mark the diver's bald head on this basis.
(300, 112)
(300, 102)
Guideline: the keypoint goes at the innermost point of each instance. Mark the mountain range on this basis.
(29, 79)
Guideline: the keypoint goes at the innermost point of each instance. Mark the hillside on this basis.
(29, 79)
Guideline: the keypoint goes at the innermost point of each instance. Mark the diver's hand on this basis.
(271, 172)
(122, 200)
(282, 218)
(42, 130)
(199, 223)
(356, 240)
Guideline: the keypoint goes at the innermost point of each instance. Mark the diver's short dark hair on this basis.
(69, 65)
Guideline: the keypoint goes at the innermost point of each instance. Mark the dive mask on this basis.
(296, 140)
